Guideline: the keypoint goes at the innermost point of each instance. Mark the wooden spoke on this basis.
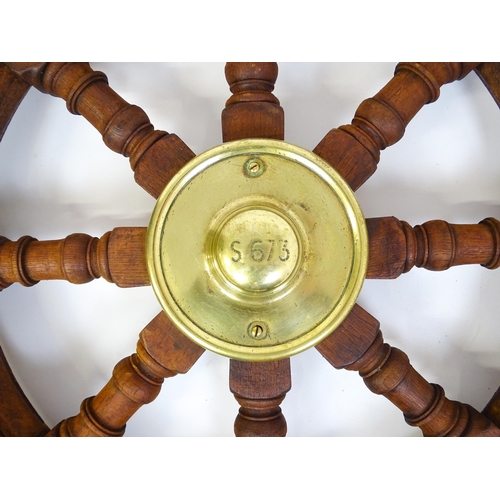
(119, 257)
(17, 415)
(260, 388)
(162, 352)
(396, 247)
(12, 92)
(155, 156)
(253, 111)
(354, 150)
(358, 345)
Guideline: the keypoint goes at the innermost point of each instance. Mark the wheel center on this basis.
(257, 249)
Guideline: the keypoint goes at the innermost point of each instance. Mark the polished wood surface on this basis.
(162, 352)
(492, 409)
(17, 415)
(260, 388)
(119, 257)
(380, 121)
(155, 156)
(489, 72)
(358, 345)
(396, 247)
(13, 89)
(252, 111)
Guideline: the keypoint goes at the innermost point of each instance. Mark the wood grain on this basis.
(155, 155)
(260, 388)
(380, 121)
(358, 345)
(489, 73)
(162, 352)
(17, 415)
(395, 247)
(252, 111)
(119, 257)
(12, 91)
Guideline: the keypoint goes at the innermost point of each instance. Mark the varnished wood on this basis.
(492, 409)
(17, 415)
(358, 345)
(395, 247)
(155, 156)
(119, 257)
(252, 111)
(12, 91)
(354, 150)
(260, 388)
(489, 73)
(162, 352)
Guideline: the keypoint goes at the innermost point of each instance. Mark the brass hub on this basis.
(257, 249)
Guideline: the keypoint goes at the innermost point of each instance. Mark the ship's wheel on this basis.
(257, 251)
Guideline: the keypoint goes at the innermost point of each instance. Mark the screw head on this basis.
(254, 167)
(257, 330)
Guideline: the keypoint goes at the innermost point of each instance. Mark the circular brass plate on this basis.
(257, 249)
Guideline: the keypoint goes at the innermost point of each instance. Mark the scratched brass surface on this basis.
(257, 249)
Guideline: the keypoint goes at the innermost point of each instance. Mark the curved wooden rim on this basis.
(17, 415)
(12, 92)
(489, 73)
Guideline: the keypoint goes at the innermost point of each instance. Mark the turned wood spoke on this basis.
(155, 156)
(252, 111)
(395, 247)
(354, 150)
(358, 345)
(260, 388)
(162, 352)
(119, 257)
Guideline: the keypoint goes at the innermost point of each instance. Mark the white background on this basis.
(57, 177)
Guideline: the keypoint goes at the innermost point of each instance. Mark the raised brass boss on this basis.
(257, 249)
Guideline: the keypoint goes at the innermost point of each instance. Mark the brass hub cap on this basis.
(257, 249)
